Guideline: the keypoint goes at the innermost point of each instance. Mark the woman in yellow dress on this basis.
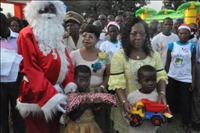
(125, 63)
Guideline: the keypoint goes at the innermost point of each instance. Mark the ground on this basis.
(174, 126)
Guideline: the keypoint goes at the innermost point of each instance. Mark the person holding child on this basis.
(125, 63)
(89, 55)
(147, 80)
(180, 66)
(82, 118)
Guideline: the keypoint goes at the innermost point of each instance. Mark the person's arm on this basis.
(154, 43)
(161, 89)
(104, 85)
(168, 61)
(96, 106)
(193, 65)
(125, 103)
(85, 104)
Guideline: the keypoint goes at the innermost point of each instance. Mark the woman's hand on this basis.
(162, 99)
(127, 107)
(98, 90)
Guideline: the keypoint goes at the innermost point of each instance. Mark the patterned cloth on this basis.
(74, 99)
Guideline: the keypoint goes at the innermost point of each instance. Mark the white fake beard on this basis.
(48, 32)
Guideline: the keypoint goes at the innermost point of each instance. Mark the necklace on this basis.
(137, 56)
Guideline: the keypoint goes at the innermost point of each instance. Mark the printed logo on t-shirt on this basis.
(179, 61)
(185, 50)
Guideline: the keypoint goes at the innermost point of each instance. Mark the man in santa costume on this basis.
(46, 67)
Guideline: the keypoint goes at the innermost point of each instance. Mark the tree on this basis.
(174, 4)
(97, 7)
(9, 15)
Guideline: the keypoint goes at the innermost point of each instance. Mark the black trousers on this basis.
(9, 93)
(179, 89)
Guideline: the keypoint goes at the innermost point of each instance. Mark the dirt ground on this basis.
(174, 126)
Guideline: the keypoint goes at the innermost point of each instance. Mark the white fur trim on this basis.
(32, 8)
(184, 27)
(71, 87)
(114, 24)
(58, 88)
(64, 65)
(50, 108)
(26, 108)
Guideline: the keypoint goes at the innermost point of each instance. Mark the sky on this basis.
(157, 4)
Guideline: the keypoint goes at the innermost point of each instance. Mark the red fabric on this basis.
(37, 124)
(41, 71)
(74, 99)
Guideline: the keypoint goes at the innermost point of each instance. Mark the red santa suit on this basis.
(38, 98)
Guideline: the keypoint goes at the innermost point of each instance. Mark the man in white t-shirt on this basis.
(160, 42)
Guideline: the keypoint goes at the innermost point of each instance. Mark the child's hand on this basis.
(97, 103)
(85, 103)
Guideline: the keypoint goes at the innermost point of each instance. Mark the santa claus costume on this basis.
(46, 66)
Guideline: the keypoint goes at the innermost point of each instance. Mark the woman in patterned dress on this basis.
(125, 63)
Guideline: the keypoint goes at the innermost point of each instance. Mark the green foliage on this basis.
(9, 15)
(97, 7)
(174, 4)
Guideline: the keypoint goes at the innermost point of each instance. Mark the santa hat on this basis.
(32, 8)
(185, 26)
(114, 23)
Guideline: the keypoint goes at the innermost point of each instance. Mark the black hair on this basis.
(145, 68)
(17, 20)
(24, 22)
(82, 69)
(167, 18)
(3, 19)
(125, 39)
(92, 29)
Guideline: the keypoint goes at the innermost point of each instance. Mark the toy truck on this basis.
(149, 110)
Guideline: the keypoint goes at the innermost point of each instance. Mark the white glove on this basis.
(58, 88)
(60, 105)
(71, 87)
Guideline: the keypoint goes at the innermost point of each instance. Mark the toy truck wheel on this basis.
(157, 121)
(136, 119)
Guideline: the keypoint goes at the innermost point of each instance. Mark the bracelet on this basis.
(103, 87)
(123, 102)
(162, 92)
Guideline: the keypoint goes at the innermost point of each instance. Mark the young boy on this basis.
(82, 118)
(147, 80)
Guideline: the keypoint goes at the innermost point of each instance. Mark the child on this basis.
(180, 66)
(112, 45)
(82, 118)
(147, 80)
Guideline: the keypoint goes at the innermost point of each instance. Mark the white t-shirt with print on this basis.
(110, 47)
(160, 43)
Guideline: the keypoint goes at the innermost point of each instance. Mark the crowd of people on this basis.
(64, 52)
